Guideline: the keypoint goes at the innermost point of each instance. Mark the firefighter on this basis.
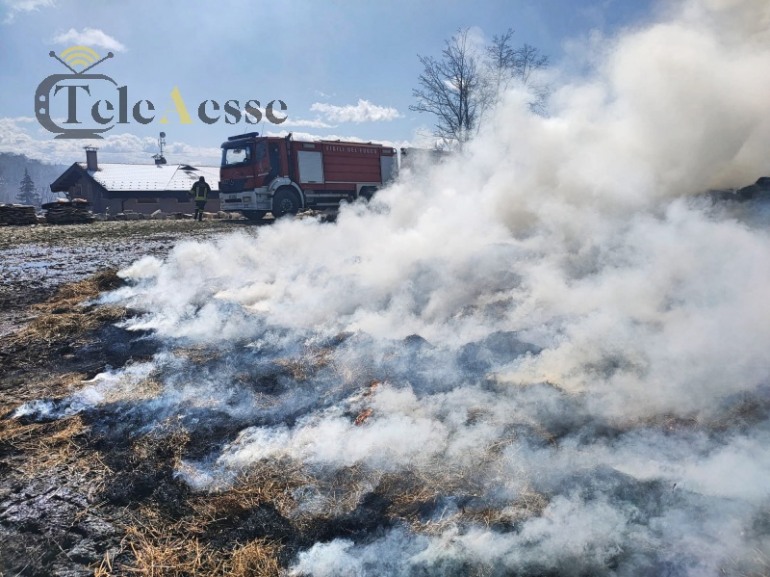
(200, 192)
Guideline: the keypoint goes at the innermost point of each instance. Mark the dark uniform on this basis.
(200, 192)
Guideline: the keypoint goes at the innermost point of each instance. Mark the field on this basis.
(248, 407)
(104, 486)
(77, 497)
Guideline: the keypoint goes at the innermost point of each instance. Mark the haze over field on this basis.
(554, 328)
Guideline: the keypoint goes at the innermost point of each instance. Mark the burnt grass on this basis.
(81, 492)
(94, 490)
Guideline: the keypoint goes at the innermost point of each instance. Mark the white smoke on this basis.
(595, 332)
(104, 387)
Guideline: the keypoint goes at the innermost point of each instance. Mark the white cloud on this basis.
(302, 123)
(16, 6)
(364, 111)
(17, 136)
(90, 37)
(25, 119)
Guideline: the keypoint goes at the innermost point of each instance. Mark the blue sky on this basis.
(344, 68)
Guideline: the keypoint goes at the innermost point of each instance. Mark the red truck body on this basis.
(280, 175)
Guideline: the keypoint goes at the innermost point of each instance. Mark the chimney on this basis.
(91, 163)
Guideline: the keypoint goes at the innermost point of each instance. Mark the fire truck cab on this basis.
(262, 174)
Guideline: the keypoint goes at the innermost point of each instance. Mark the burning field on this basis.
(547, 356)
(597, 412)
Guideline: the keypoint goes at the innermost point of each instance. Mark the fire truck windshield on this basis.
(237, 155)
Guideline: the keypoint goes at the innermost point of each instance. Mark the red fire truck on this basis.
(280, 175)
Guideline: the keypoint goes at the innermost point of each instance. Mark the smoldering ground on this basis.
(546, 356)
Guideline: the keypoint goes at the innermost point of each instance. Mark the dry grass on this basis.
(270, 482)
(154, 546)
(54, 324)
(167, 444)
(342, 492)
(91, 287)
(53, 442)
(303, 367)
(160, 553)
(50, 388)
(411, 493)
(55, 448)
(259, 558)
(199, 354)
(65, 315)
(528, 505)
(61, 320)
(146, 389)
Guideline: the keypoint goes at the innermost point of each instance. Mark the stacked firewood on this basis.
(76, 211)
(17, 214)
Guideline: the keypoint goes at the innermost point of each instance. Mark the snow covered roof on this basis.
(151, 177)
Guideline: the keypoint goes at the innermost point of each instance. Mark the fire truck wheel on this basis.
(285, 201)
(254, 214)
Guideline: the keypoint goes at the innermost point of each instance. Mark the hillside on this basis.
(12, 168)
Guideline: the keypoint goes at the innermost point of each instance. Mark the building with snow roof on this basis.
(143, 188)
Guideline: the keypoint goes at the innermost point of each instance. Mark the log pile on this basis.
(17, 214)
(76, 211)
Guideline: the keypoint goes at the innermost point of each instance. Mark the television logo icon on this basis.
(80, 56)
(74, 56)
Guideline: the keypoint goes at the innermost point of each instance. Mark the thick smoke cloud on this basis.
(555, 329)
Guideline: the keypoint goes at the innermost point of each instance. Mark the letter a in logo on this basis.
(181, 108)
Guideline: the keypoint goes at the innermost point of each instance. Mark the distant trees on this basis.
(27, 192)
(12, 167)
(466, 81)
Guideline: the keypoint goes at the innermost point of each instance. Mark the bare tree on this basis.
(461, 86)
(507, 65)
(501, 61)
(448, 89)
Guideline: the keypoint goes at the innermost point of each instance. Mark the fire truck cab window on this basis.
(261, 150)
(233, 156)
